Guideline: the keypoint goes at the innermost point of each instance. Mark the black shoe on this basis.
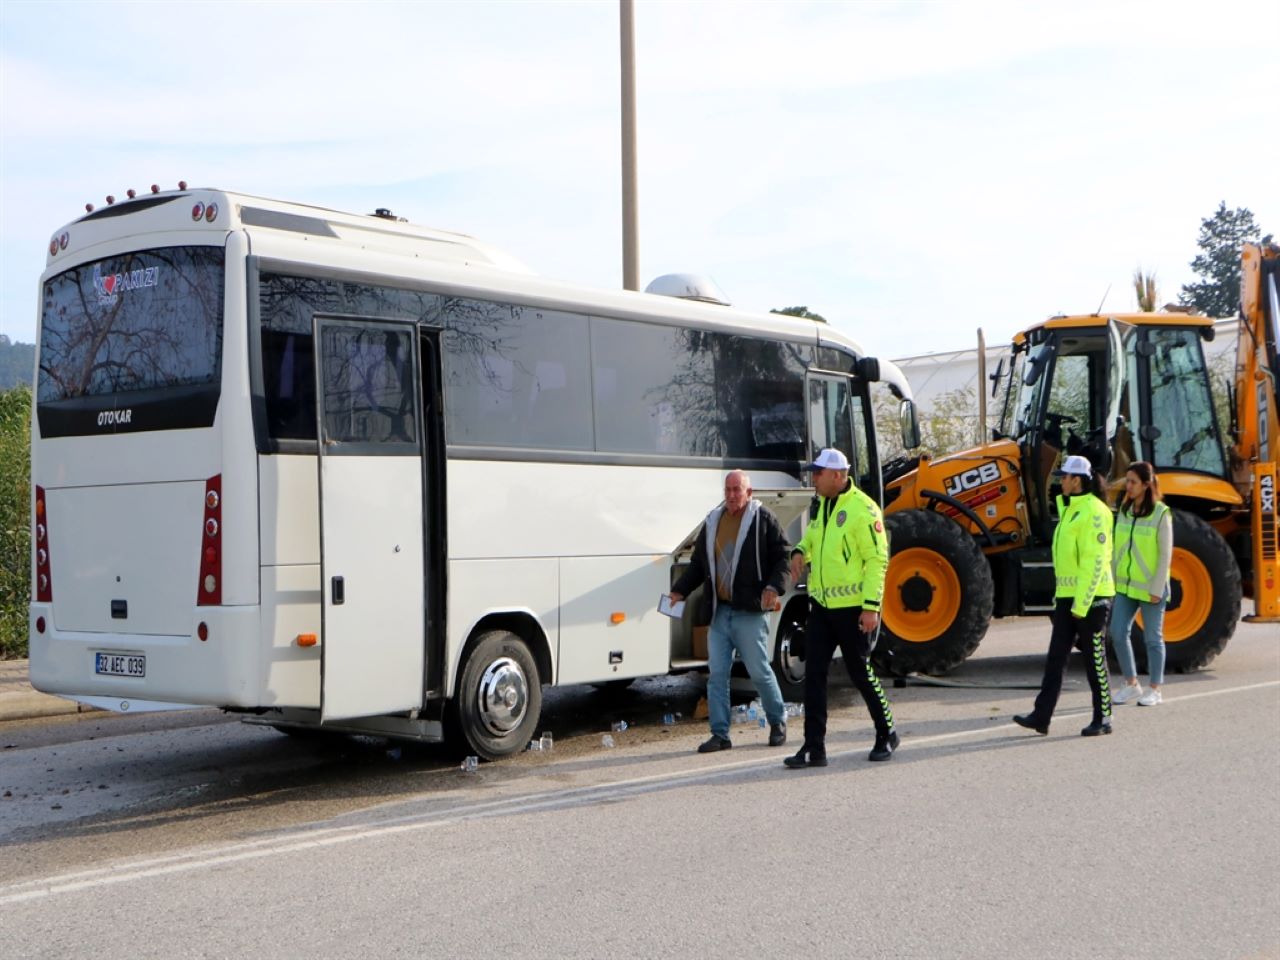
(777, 734)
(807, 757)
(1096, 729)
(1030, 722)
(716, 743)
(885, 745)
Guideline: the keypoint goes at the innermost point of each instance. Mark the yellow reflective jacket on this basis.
(1082, 552)
(1140, 570)
(847, 551)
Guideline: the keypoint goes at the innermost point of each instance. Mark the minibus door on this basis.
(371, 540)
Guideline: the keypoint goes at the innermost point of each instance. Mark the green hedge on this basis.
(15, 520)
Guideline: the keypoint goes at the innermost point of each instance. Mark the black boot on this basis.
(808, 756)
(1099, 728)
(1031, 723)
(886, 743)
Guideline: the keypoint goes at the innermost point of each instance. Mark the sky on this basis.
(911, 171)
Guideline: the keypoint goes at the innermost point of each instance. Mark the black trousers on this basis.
(1087, 633)
(828, 629)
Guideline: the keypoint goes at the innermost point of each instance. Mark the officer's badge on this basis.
(879, 527)
(841, 517)
(1102, 538)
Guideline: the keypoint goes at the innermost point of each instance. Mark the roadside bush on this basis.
(15, 520)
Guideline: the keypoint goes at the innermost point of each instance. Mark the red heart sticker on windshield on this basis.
(109, 283)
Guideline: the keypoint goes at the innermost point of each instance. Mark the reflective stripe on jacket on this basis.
(1082, 552)
(1139, 570)
(847, 551)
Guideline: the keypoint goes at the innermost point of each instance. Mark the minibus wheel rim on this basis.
(504, 696)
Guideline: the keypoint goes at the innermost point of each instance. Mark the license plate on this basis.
(120, 664)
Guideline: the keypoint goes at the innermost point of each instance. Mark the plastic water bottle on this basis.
(740, 714)
(668, 719)
(619, 726)
(752, 712)
(606, 741)
(545, 743)
(470, 765)
(535, 746)
(763, 721)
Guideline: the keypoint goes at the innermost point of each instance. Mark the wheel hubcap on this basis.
(917, 594)
(790, 666)
(504, 696)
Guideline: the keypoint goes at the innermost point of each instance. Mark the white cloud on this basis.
(909, 170)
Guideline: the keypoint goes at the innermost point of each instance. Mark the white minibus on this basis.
(340, 471)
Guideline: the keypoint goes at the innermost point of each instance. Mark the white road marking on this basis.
(320, 837)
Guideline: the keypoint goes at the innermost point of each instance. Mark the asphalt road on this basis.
(192, 835)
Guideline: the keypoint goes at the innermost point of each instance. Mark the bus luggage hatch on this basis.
(371, 520)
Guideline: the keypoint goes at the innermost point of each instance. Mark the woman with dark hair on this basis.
(1082, 597)
(1143, 553)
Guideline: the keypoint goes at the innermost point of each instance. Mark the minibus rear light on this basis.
(209, 587)
(44, 572)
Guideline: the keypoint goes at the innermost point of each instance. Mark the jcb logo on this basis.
(1268, 490)
(960, 482)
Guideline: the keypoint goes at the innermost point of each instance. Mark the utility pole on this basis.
(630, 230)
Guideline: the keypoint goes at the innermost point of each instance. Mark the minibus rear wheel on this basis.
(498, 699)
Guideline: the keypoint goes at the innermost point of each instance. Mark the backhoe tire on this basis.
(1204, 602)
(938, 595)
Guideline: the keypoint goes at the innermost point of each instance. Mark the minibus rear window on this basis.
(132, 343)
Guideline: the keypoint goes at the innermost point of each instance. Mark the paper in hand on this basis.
(665, 606)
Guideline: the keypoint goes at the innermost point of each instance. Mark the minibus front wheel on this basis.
(498, 699)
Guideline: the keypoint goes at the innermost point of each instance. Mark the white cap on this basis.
(830, 459)
(1077, 465)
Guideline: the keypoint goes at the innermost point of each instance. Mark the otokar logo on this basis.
(960, 482)
(112, 285)
(1267, 490)
(111, 418)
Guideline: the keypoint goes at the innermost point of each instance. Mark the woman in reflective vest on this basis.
(1143, 553)
(1082, 599)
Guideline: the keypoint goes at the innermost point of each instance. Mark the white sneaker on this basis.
(1127, 692)
(1150, 698)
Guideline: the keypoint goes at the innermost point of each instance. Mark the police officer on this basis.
(1082, 569)
(847, 552)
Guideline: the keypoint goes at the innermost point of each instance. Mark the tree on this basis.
(949, 424)
(803, 312)
(15, 520)
(17, 363)
(1221, 238)
(1144, 285)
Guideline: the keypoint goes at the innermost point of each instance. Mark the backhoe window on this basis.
(1067, 415)
(1182, 405)
(1011, 378)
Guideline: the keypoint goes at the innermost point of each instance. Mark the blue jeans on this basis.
(1123, 611)
(748, 632)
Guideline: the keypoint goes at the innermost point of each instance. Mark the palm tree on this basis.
(1144, 284)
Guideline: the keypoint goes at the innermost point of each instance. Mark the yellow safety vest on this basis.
(847, 551)
(1082, 552)
(1137, 551)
